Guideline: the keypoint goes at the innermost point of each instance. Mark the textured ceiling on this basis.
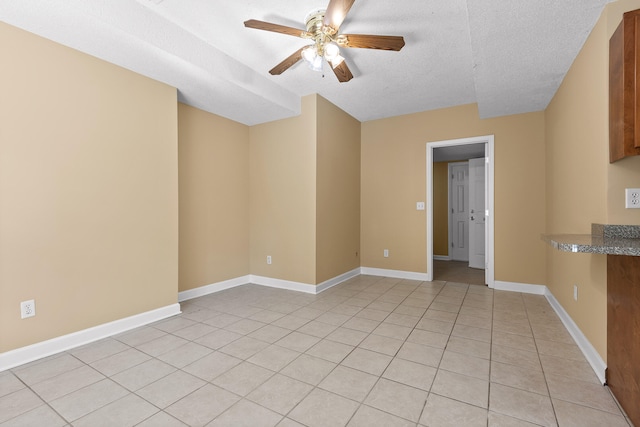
(509, 56)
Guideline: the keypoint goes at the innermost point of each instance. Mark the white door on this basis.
(459, 198)
(477, 213)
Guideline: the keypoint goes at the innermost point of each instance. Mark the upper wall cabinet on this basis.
(624, 91)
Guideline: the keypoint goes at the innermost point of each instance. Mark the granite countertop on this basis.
(604, 239)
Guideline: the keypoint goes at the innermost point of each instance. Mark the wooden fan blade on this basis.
(342, 72)
(277, 28)
(287, 63)
(371, 42)
(336, 12)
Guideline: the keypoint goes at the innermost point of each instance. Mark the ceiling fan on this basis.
(322, 27)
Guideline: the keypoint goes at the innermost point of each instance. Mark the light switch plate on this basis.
(632, 198)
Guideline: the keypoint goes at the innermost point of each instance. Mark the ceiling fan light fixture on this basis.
(309, 53)
(331, 52)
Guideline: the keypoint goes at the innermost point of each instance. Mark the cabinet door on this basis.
(624, 93)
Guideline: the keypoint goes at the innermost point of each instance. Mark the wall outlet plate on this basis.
(632, 198)
(27, 309)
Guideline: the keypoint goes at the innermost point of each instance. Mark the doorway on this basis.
(462, 147)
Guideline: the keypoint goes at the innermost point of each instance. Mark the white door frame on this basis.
(489, 208)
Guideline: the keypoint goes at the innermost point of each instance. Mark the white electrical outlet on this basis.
(419, 206)
(268, 259)
(386, 253)
(575, 292)
(27, 309)
(632, 198)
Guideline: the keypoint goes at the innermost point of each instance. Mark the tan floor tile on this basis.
(128, 411)
(143, 374)
(361, 324)
(513, 327)
(522, 405)
(203, 405)
(280, 393)
(245, 326)
(308, 369)
(170, 389)
(184, 355)
(396, 318)
(161, 419)
(419, 353)
(119, 362)
(381, 344)
(465, 364)
(86, 400)
(373, 314)
(461, 387)
(519, 342)
(223, 320)
(521, 377)
(98, 350)
(474, 348)
(500, 420)
(582, 393)
(161, 345)
(410, 373)
(139, 335)
(391, 330)
(266, 316)
(44, 369)
(18, 403)
(432, 339)
(67, 382)
(274, 357)
(433, 325)
(298, 341)
(471, 332)
(397, 399)
(317, 329)
(290, 322)
(572, 415)
(367, 361)
(324, 409)
(243, 378)
(349, 383)
(367, 416)
(334, 319)
(308, 313)
(516, 357)
(244, 348)
(405, 309)
(558, 349)
(9, 383)
(40, 416)
(444, 412)
(580, 370)
(330, 350)
(173, 324)
(270, 333)
(347, 336)
(246, 414)
(212, 365)
(218, 339)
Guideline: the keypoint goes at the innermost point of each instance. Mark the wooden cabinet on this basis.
(624, 92)
(623, 332)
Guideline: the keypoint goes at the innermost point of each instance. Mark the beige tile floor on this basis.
(457, 271)
(369, 352)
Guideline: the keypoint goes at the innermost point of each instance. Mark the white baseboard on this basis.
(214, 287)
(525, 288)
(20, 356)
(337, 280)
(283, 284)
(442, 257)
(590, 353)
(397, 274)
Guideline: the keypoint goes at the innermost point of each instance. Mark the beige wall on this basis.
(88, 190)
(582, 187)
(338, 192)
(282, 173)
(213, 155)
(441, 208)
(394, 178)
